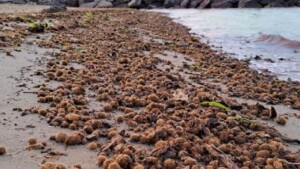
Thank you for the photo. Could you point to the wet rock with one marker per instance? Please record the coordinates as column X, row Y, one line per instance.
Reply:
column 149, row 2
column 257, row 57
column 269, row 60
column 19, row 2
column 222, row 3
column 205, row 4
column 249, row 4
column 45, row 2
column 185, row 3
column 171, row 3
column 59, row 3
column 264, row 2
column 276, row 3
column 135, row 4
column 104, row 4
column 54, row 9
column 90, row 4
column 73, row 3
column 273, row 113
column 6, row 1
column 195, row 3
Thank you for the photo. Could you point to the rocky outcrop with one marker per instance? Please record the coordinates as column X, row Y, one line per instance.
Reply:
column 104, row 4
column 223, row 4
column 172, row 3
column 195, row 3
column 249, row 4
column 135, row 4
column 163, row 3
column 185, row 3
column 19, row 1
column 89, row 4
column 205, row 4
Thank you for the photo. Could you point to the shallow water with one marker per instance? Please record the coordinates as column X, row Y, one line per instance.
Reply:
column 272, row 34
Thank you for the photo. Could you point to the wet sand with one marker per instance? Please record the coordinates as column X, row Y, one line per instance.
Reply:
column 17, row 125
column 136, row 80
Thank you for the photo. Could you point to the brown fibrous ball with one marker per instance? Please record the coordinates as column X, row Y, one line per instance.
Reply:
column 169, row 164
column 101, row 159
column 134, row 137
column 120, row 119
column 61, row 137
column 2, row 150
column 114, row 165
column 32, row 141
column 92, row 146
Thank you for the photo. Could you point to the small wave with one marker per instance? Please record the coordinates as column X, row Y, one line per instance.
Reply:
column 279, row 40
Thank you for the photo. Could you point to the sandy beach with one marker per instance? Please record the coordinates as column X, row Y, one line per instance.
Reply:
column 123, row 88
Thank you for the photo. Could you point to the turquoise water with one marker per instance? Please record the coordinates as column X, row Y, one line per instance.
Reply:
column 273, row 34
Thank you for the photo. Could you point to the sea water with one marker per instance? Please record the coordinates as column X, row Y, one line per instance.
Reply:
column 272, row 35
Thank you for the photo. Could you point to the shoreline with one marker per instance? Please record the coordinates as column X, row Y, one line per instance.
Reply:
column 265, row 50
column 128, row 78
column 167, row 4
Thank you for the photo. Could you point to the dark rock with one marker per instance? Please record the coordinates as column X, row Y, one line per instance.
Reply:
column 81, row 2
column 185, row 4
column 152, row 6
column 273, row 113
column 257, row 57
column 264, row 2
column 276, row 3
column 135, row 4
column 44, row 2
column 249, row 4
column 90, row 4
column 32, row 1
column 19, row 2
column 149, row 2
column 269, row 60
column 195, row 3
column 291, row 3
column 104, row 4
column 54, row 9
column 6, row 1
column 205, row 4
column 59, row 3
column 171, row 3
column 222, row 4
column 73, row 3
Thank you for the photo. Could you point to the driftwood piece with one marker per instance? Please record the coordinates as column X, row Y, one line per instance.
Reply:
column 216, row 152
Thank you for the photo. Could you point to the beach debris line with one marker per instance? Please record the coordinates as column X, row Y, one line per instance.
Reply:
column 146, row 116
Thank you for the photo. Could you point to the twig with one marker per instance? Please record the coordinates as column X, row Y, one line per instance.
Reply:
column 290, row 163
column 113, row 142
column 224, row 157
column 30, row 92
